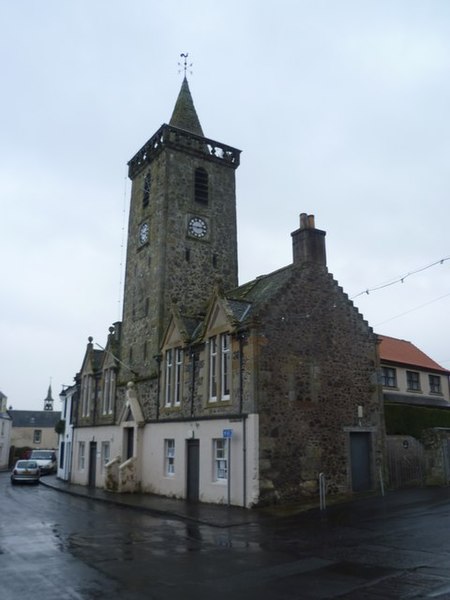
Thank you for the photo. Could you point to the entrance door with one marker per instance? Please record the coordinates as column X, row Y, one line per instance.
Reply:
column 193, row 470
column 360, row 444
column 68, row 467
column 92, row 463
column 129, row 440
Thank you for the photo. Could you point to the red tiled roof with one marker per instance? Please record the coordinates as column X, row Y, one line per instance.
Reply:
column 401, row 351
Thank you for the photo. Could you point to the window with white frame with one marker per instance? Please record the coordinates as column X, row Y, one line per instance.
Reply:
column 225, row 365
column 220, row 454
column 413, row 381
column 109, row 390
column 435, row 384
column 173, row 376
column 219, row 367
column 213, row 369
column 81, row 456
column 169, row 457
column 37, row 436
column 106, row 454
column 87, row 387
column 388, row 377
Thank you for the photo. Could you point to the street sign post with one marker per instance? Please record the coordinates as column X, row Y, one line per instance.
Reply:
column 227, row 435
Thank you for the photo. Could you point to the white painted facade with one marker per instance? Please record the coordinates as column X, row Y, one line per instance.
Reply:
column 109, row 436
column 65, row 441
column 5, row 433
column 5, row 440
column 240, row 488
column 424, row 387
column 153, row 473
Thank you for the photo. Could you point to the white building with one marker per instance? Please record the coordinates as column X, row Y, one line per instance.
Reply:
column 5, row 433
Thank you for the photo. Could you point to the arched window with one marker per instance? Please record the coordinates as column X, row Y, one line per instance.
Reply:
column 201, row 185
column 147, row 186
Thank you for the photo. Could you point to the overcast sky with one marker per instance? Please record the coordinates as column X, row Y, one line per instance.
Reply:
column 341, row 109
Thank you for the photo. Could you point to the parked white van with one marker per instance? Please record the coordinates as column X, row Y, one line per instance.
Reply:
column 46, row 459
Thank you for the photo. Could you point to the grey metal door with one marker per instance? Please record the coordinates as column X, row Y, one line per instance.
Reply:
column 92, row 463
column 193, row 470
column 129, row 432
column 360, row 443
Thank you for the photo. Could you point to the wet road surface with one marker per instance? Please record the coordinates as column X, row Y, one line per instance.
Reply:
column 57, row 546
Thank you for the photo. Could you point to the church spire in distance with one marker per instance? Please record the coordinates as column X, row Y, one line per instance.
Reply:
column 184, row 115
column 48, row 402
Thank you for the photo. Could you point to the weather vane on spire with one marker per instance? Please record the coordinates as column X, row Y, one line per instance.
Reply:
column 185, row 66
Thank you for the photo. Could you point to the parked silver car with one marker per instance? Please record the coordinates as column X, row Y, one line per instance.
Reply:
column 25, row 471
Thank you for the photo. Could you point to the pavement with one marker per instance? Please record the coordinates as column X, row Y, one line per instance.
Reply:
column 222, row 515
column 215, row 515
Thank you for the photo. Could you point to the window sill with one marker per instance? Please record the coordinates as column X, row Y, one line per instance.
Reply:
column 215, row 403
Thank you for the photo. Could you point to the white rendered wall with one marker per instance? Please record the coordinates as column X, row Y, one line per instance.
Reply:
column 111, row 434
column 155, row 480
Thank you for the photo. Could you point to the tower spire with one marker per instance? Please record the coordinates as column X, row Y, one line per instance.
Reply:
column 48, row 402
column 184, row 115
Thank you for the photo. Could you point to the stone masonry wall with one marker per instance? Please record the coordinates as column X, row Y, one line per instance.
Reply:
column 174, row 265
column 317, row 363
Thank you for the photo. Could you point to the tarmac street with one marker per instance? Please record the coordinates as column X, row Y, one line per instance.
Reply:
column 58, row 542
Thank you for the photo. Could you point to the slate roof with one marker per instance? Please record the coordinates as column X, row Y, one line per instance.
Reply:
column 96, row 358
column 401, row 351
column 250, row 297
column 184, row 115
column 34, row 418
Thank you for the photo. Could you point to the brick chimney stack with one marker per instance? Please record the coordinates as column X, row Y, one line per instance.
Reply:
column 308, row 243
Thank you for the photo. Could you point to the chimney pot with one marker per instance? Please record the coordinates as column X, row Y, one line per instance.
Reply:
column 303, row 221
column 308, row 243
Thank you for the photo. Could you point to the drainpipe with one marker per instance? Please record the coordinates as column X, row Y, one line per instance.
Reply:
column 241, row 337
column 192, row 381
column 158, row 387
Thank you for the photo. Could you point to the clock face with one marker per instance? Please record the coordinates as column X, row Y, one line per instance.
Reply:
column 143, row 233
column 197, row 227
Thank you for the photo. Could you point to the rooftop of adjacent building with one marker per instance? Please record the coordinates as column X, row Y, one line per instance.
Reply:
column 395, row 350
column 34, row 418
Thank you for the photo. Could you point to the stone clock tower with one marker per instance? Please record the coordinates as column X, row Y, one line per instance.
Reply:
column 181, row 232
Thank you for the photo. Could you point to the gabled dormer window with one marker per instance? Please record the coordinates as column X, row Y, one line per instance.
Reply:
column 201, row 186
column 225, row 365
column 87, row 391
column 173, row 376
column 109, row 390
column 219, row 376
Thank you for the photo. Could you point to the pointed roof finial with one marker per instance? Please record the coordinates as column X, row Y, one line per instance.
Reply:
column 185, row 64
